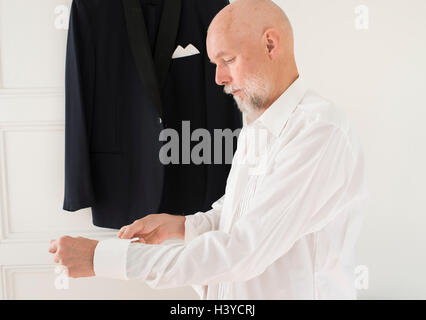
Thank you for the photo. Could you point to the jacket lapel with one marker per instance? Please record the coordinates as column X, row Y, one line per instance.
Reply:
column 142, row 54
column 166, row 38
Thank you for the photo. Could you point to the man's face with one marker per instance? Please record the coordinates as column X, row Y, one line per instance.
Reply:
column 240, row 68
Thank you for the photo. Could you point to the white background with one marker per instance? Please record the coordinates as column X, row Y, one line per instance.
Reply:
column 377, row 75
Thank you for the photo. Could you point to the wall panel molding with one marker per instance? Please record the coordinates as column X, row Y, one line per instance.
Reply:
column 30, row 92
column 11, row 235
column 8, row 275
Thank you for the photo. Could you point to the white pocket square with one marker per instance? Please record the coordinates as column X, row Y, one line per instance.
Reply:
column 180, row 52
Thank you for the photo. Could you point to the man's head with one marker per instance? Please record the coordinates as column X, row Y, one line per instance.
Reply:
column 251, row 43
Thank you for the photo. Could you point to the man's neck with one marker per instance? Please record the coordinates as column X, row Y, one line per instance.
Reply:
column 253, row 116
column 286, row 83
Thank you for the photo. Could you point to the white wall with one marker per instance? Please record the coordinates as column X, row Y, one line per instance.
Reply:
column 379, row 77
column 32, row 113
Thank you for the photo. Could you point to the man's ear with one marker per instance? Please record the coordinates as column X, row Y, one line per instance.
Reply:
column 272, row 42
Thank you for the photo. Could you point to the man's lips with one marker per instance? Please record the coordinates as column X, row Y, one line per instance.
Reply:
column 230, row 90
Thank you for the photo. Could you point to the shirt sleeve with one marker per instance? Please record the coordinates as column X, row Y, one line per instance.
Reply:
column 313, row 178
column 196, row 224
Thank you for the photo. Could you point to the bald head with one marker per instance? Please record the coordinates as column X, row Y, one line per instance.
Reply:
column 252, row 44
column 249, row 19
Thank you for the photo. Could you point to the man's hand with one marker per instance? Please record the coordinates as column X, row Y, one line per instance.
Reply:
column 155, row 228
column 76, row 254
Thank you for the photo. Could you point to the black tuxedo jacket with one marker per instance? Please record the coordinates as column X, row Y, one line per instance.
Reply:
column 122, row 89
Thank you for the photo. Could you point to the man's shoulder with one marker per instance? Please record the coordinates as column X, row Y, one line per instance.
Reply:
column 314, row 107
column 314, row 112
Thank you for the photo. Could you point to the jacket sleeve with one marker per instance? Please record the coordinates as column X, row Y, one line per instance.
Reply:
column 79, row 84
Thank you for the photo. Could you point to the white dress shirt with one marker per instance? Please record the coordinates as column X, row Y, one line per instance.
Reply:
column 287, row 224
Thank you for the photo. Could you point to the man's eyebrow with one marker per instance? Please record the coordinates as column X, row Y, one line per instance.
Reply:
column 221, row 53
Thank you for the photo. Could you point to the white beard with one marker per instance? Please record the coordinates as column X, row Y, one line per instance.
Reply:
column 256, row 90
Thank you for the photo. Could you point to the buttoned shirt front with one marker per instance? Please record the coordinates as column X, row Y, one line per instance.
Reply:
column 287, row 225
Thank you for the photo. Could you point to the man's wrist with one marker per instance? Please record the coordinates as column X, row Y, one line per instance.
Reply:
column 181, row 227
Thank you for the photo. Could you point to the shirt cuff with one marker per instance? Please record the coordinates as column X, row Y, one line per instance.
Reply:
column 191, row 231
column 110, row 259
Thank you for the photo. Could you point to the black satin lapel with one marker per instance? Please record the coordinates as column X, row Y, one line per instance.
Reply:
column 141, row 49
column 166, row 38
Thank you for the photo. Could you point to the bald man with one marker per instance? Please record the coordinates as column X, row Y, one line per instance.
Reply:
column 251, row 42
column 288, row 222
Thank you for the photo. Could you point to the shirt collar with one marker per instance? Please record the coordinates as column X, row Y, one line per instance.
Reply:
column 275, row 117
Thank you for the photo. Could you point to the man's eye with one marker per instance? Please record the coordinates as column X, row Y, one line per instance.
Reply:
column 229, row 60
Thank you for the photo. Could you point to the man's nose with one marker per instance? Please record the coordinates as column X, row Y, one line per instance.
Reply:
column 222, row 76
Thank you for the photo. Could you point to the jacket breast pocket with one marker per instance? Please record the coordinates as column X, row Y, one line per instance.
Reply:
column 105, row 133
column 187, row 81
column 185, row 67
